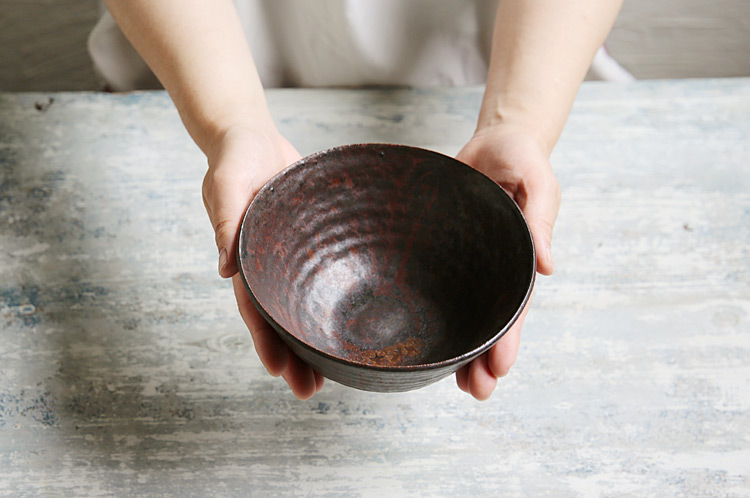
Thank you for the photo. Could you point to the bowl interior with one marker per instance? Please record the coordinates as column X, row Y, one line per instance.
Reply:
column 387, row 256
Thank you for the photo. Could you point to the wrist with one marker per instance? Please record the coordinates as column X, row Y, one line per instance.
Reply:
column 262, row 133
column 515, row 122
column 209, row 130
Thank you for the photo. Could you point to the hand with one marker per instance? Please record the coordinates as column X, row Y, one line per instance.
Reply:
column 517, row 162
column 240, row 162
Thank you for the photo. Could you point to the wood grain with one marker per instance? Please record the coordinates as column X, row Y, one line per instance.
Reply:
column 43, row 45
column 125, row 369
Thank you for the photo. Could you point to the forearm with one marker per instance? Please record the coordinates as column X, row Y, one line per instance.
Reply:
column 540, row 54
column 198, row 51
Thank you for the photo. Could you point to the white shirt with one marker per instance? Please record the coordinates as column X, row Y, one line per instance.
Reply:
column 322, row 43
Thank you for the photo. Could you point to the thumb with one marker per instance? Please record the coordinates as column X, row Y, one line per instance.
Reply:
column 226, row 205
column 540, row 211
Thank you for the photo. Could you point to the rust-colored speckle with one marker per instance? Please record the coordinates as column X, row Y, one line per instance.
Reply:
column 402, row 353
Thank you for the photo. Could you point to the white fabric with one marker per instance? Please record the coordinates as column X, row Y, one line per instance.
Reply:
column 320, row 43
column 115, row 61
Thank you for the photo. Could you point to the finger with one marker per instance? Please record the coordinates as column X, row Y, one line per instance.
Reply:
column 481, row 379
column 503, row 355
column 272, row 351
column 300, row 377
column 319, row 381
column 540, row 210
column 462, row 378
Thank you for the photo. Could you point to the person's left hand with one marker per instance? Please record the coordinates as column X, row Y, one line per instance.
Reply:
column 513, row 158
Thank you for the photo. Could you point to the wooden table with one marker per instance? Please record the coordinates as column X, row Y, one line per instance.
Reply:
column 126, row 370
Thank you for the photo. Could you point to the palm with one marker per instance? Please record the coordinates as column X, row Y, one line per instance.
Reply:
column 518, row 164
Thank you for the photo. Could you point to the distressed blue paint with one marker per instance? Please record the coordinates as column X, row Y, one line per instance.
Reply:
column 17, row 300
column 33, row 405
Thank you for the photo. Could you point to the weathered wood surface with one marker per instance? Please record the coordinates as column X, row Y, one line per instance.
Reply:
column 125, row 369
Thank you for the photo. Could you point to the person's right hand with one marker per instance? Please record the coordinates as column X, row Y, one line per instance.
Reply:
column 240, row 161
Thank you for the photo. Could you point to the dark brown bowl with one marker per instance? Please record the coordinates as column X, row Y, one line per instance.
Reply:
column 386, row 267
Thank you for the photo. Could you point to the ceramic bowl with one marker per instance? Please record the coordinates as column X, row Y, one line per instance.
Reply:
column 386, row 267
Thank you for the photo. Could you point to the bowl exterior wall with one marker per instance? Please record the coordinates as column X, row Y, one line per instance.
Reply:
column 367, row 378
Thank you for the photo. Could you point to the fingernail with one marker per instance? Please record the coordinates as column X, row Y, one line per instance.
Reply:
column 222, row 260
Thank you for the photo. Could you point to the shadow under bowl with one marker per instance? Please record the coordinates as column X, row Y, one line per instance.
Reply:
column 386, row 267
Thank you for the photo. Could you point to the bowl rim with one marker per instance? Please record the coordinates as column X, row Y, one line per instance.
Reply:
column 454, row 360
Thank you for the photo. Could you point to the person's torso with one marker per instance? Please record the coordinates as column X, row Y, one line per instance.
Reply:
column 369, row 42
column 341, row 43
